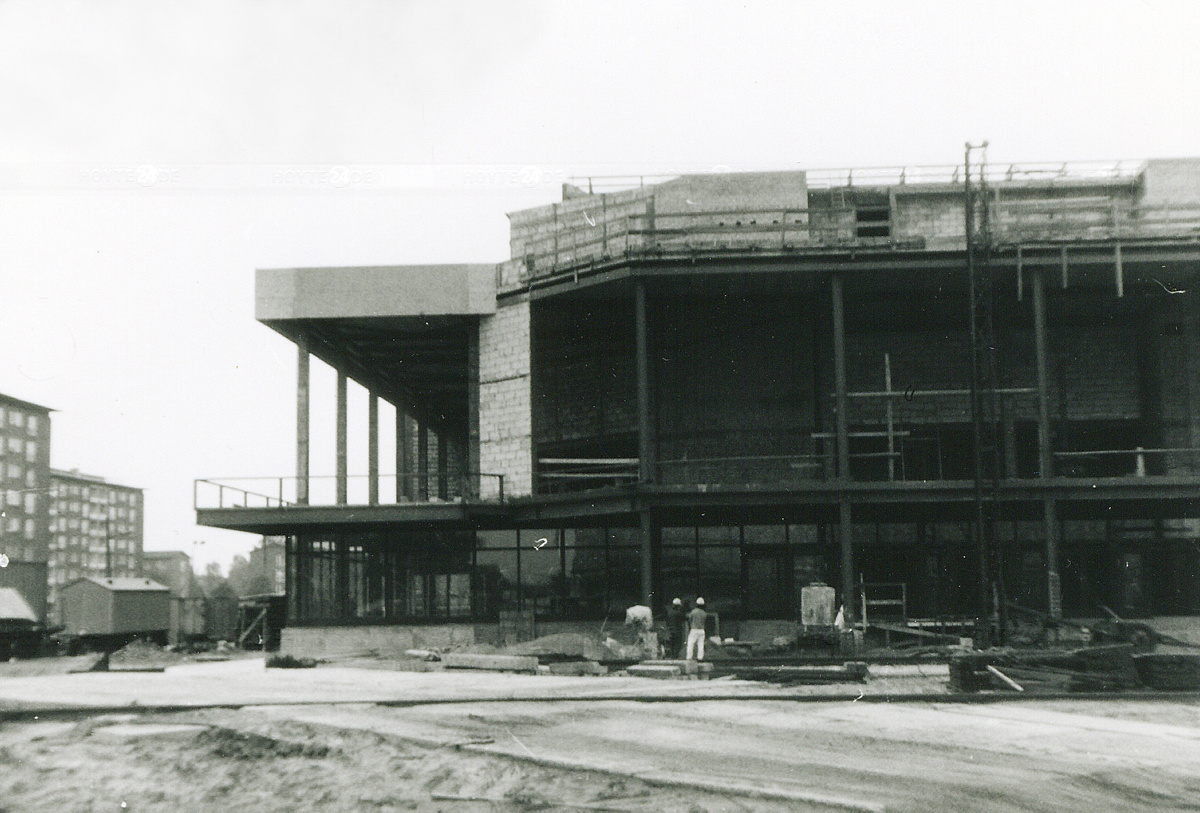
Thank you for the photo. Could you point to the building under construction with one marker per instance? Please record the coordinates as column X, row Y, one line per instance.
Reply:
column 942, row 391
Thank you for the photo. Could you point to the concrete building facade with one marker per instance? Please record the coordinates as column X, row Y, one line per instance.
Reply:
column 25, row 509
column 952, row 389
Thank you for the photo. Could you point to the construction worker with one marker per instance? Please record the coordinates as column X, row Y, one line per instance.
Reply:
column 697, row 621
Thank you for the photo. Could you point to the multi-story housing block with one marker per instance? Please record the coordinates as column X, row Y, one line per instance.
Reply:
column 95, row 530
column 962, row 388
column 25, row 508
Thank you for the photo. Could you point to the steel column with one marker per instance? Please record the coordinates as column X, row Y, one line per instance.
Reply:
column 1045, row 454
column 422, row 460
column 645, row 440
column 404, row 482
column 842, row 427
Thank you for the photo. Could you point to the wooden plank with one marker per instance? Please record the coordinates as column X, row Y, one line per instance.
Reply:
column 498, row 663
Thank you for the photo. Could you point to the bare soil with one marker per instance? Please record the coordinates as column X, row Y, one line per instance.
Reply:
column 228, row 760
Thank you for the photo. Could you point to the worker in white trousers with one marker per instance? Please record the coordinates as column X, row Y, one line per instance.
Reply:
column 697, row 620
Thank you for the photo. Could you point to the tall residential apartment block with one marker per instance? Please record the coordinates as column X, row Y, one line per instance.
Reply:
column 945, row 388
column 95, row 530
column 25, row 508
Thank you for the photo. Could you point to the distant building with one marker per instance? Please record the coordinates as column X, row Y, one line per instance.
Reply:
column 267, row 561
column 173, row 568
column 25, row 504
column 95, row 530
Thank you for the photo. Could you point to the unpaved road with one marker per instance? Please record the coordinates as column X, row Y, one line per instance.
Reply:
column 1080, row 755
column 615, row 755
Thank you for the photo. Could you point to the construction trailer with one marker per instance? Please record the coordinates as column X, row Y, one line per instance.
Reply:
column 938, row 390
column 21, row 633
column 104, row 613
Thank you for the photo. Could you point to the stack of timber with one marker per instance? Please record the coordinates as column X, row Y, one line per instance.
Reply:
column 1092, row 669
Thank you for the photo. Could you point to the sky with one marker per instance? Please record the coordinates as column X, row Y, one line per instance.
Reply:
column 154, row 154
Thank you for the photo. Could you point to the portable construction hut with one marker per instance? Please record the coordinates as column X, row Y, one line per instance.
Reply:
column 20, row 632
column 116, row 610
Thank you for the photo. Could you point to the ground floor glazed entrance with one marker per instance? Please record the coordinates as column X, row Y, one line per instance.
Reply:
column 401, row 573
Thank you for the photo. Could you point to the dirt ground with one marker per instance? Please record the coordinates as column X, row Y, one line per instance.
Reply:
column 233, row 761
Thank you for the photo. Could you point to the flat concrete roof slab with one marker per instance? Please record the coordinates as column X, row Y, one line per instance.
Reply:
column 374, row 291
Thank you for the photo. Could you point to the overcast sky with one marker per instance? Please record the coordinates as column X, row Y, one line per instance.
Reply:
column 152, row 155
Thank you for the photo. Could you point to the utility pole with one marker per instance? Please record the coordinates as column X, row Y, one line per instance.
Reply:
column 983, row 528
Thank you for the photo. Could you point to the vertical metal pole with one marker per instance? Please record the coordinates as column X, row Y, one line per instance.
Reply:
column 342, row 490
column 373, row 449
column 985, row 592
column 842, row 425
column 302, row 419
column 1045, row 455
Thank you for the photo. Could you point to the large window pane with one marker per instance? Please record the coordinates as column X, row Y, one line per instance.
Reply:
column 721, row 578
column 541, row 573
column 495, row 582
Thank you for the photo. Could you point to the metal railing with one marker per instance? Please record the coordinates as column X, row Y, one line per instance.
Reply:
column 391, row 489
column 562, row 474
column 579, row 237
column 1034, row 172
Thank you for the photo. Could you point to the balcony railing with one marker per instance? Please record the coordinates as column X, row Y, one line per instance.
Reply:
column 391, row 489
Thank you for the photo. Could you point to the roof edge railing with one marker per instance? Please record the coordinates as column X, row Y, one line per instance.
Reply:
column 356, row 490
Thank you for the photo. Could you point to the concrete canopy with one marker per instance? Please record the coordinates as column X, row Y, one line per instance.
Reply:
column 401, row 331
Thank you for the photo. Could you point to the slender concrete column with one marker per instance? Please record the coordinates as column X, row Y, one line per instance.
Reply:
column 1045, row 452
column 404, row 465
column 302, row 401
column 342, row 434
column 422, row 460
column 373, row 449
column 849, row 591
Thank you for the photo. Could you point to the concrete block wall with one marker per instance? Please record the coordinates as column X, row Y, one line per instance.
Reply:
column 937, row 216
column 505, row 400
column 392, row 641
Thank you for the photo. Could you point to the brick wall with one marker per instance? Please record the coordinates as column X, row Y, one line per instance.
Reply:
column 505, row 400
